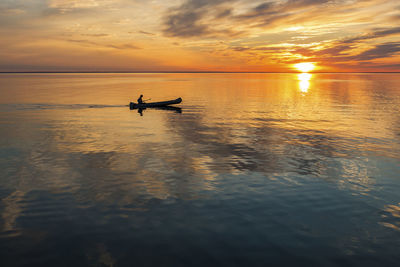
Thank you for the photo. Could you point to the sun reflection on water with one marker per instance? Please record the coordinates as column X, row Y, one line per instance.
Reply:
column 304, row 81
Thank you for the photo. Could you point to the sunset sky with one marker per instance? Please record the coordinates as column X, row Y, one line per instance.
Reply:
column 199, row 35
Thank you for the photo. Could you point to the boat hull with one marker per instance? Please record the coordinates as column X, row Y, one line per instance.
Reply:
column 155, row 104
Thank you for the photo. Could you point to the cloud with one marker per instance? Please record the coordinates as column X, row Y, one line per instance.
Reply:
column 11, row 11
column 351, row 48
column 124, row 46
column 63, row 7
column 373, row 35
column 95, row 34
column 146, row 33
column 380, row 51
column 224, row 13
column 187, row 20
column 73, row 4
column 185, row 24
column 270, row 14
column 200, row 18
column 115, row 46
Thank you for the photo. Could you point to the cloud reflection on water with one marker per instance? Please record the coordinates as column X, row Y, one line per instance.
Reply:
column 299, row 136
column 252, row 143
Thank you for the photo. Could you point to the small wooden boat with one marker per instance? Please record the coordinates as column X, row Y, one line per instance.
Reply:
column 155, row 104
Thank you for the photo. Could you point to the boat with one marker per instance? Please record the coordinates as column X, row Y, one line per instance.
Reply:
column 133, row 105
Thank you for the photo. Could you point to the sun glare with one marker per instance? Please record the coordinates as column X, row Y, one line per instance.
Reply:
column 304, row 81
column 304, row 67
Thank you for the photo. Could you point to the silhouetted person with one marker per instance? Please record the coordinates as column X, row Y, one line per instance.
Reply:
column 140, row 100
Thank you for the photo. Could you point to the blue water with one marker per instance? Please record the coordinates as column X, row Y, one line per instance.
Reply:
column 253, row 170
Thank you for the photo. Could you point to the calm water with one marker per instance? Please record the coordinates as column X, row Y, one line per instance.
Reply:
column 254, row 170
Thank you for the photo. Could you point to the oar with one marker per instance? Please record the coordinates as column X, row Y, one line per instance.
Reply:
column 147, row 99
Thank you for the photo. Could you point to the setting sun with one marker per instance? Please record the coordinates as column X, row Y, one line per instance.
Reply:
column 304, row 67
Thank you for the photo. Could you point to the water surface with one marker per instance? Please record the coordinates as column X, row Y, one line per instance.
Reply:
column 254, row 170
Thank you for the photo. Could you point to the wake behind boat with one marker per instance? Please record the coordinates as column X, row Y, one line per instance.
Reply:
column 133, row 105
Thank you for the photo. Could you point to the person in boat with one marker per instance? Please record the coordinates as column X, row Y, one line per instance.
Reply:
column 140, row 100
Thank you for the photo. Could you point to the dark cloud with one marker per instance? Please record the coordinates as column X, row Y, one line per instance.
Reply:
column 272, row 49
column 341, row 53
column 124, row 46
column 267, row 6
column 240, row 48
column 185, row 24
column 262, row 10
column 380, row 51
column 146, row 33
column 267, row 13
column 341, row 49
column 199, row 18
column 96, row 34
column 276, row 9
column 185, row 20
column 224, row 13
column 337, row 50
column 377, row 34
column 305, row 3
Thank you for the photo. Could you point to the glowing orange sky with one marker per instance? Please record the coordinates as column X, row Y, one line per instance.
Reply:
column 199, row 35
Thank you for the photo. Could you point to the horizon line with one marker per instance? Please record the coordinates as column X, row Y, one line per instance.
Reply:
column 200, row 72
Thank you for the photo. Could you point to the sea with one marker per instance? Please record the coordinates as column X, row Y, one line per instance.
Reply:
column 251, row 169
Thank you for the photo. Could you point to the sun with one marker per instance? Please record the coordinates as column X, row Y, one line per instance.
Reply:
column 305, row 67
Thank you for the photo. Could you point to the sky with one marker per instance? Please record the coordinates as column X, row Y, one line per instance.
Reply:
column 199, row 35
